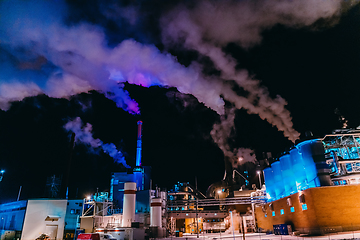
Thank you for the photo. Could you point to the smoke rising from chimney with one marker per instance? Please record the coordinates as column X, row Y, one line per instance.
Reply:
column 210, row 25
column 83, row 133
column 76, row 58
column 222, row 132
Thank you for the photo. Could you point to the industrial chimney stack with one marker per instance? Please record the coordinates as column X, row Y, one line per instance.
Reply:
column 138, row 149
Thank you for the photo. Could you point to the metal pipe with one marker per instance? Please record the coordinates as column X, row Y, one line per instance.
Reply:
column 197, row 201
column 232, row 224
column 19, row 194
column 259, row 173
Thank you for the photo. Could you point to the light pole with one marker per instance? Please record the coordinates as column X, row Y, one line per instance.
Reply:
column 1, row 174
column 259, row 174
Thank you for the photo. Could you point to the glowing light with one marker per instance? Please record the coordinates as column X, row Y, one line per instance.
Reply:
column 2, row 171
column 219, row 191
column 88, row 197
column 304, row 207
column 258, row 172
column 240, row 159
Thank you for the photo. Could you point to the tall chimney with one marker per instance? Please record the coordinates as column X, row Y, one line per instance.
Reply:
column 138, row 149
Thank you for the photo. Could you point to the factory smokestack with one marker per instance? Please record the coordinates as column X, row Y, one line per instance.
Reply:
column 138, row 149
column 129, row 204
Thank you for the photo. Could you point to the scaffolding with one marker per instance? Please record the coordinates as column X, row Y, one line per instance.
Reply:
column 342, row 151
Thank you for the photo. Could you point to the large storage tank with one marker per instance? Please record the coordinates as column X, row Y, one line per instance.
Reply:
column 269, row 182
column 307, row 150
column 278, row 181
column 298, row 169
column 287, row 175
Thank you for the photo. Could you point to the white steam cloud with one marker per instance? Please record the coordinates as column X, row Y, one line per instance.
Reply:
column 221, row 133
column 211, row 25
column 83, row 134
column 39, row 54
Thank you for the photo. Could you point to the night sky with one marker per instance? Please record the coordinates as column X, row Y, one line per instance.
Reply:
column 207, row 78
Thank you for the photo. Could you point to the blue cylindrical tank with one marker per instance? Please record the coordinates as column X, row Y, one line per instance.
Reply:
column 278, row 181
column 269, row 183
column 298, row 170
column 308, row 149
column 287, row 175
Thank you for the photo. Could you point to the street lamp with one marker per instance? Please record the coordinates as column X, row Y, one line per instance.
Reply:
column 1, row 174
column 259, row 174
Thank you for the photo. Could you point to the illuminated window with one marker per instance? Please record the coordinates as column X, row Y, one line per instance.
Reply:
column 292, row 209
column 281, row 211
column 304, row 207
column 265, row 215
column 273, row 213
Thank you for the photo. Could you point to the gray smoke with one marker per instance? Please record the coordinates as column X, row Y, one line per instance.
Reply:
column 210, row 25
column 39, row 54
column 225, row 130
column 83, row 135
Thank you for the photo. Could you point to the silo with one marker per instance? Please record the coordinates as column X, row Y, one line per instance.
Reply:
column 269, row 183
column 278, row 181
column 129, row 204
column 307, row 151
column 287, row 175
column 155, row 212
column 298, row 169
column 322, row 168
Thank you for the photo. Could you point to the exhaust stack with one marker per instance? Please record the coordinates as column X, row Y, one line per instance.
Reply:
column 138, row 149
column 129, row 204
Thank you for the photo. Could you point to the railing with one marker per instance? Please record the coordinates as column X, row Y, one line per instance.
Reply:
column 216, row 202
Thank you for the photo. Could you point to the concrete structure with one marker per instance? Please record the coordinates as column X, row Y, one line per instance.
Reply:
column 29, row 219
column 314, row 187
column 314, row 210
column 129, row 204
column 155, row 212
column 142, row 177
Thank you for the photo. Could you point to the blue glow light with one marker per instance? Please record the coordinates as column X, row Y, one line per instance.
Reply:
column 304, row 207
column 281, row 211
column 273, row 213
column 292, row 209
column 295, row 171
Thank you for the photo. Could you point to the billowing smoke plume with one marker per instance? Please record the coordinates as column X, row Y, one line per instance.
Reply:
column 210, row 25
column 222, row 132
column 83, row 134
column 39, row 54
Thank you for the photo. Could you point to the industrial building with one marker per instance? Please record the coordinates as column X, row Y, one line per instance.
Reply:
column 28, row 219
column 314, row 187
column 130, row 208
column 133, row 210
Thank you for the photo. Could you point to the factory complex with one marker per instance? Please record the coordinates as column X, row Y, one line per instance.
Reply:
column 313, row 188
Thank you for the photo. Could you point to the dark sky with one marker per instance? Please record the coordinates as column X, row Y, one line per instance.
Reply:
column 55, row 67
